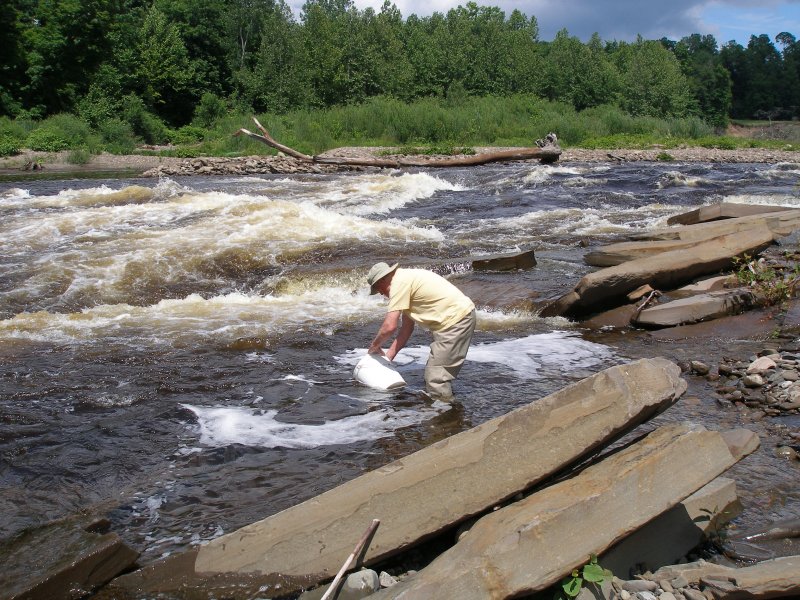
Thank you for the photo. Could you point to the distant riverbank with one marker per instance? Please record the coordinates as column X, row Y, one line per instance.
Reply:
column 151, row 165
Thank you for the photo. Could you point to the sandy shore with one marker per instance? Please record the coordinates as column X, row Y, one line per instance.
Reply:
column 30, row 162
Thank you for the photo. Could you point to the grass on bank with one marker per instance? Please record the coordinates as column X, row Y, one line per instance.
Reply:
column 427, row 125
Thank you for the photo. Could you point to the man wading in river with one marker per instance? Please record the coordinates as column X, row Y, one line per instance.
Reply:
column 420, row 296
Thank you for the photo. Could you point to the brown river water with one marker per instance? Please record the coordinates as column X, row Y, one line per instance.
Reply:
column 177, row 355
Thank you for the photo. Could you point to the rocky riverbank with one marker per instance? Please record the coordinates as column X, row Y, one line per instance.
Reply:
column 154, row 166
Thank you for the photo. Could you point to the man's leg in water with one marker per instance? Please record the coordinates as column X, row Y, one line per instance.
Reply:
column 448, row 351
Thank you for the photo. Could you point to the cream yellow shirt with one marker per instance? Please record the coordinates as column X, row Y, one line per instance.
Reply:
column 428, row 299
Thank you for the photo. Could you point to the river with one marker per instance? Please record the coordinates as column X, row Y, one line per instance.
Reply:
column 177, row 354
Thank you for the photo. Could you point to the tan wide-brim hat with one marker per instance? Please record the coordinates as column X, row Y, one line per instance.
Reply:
column 378, row 272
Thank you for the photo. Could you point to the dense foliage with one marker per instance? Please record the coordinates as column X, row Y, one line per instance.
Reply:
column 141, row 69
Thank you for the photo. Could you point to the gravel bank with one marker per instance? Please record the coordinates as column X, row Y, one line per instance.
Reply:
column 154, row 166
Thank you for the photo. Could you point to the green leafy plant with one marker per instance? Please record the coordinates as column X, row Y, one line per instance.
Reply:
column 46, row 140
column 665, row 157
column 591, row 573
column 188, row 134
column 79, row 156
column 8, row 146
column 770, row 284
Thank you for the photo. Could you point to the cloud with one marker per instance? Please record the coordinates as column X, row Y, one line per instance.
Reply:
column 612, row 19
column 616, row 19
column 623, row 20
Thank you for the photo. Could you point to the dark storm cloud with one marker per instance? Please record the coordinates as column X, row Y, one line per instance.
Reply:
column 617, row 19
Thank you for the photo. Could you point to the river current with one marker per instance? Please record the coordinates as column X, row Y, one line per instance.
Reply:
column 177, row 354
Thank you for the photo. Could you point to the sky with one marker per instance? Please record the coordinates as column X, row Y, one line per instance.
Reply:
column 623, row 20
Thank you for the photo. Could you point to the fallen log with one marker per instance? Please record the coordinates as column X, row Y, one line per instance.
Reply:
column 547, row 150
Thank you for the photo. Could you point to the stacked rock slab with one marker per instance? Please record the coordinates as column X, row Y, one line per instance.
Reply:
column 428, row 491
column 62, row 560
column 702, row 307
column 529, row 545
column 780, row 223
column 665, row 271
column 722, row 210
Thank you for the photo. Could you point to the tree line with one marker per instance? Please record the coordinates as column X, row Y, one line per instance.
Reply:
column 179, row 61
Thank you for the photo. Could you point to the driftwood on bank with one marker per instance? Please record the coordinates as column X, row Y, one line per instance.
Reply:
column 546, row 150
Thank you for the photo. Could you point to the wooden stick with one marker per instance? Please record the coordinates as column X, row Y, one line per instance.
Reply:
column 360, row 547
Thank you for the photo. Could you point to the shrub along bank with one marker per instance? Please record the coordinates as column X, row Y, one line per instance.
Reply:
column 434, row 123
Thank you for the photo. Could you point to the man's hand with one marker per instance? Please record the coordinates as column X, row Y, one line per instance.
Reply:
column 376, row 350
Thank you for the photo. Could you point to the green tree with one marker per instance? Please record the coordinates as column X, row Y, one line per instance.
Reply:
column 205, row 31
column 164, row 72
column 579, row 74
column 523, row 64
column 709, row 81
column 13, row 60
column 427, row 41
column 651, row 81
column 764, row 69
column 66, row 41
column 732, row 57
column 757, row 75
column 336, row 53
column 277, row 80
column 791, row 72
column 393, row 71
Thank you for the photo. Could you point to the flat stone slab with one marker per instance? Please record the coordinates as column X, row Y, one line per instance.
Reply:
column 780, row 223
column 527, row 546
column 432, row 489
column 702, row 307
column 663, row 271
column 505, row 262
column 61, row 560
column 616, row 254
column 712, row 284
column 667, row 538
column 722, row 210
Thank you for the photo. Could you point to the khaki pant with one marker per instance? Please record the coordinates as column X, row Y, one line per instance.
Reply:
column 448, row 350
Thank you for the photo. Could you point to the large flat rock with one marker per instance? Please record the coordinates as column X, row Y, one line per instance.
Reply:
column 616, row 254
column 722, row 210
column 432, row 489
column 670, row 536
column 505, row 262
column 531, row 544
column 702, row 307
column 61, row 560
column 780, row 223
column 712, row 284
column 664, row 271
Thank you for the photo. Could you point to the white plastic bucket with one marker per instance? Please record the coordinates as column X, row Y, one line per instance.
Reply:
column 378, row 372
